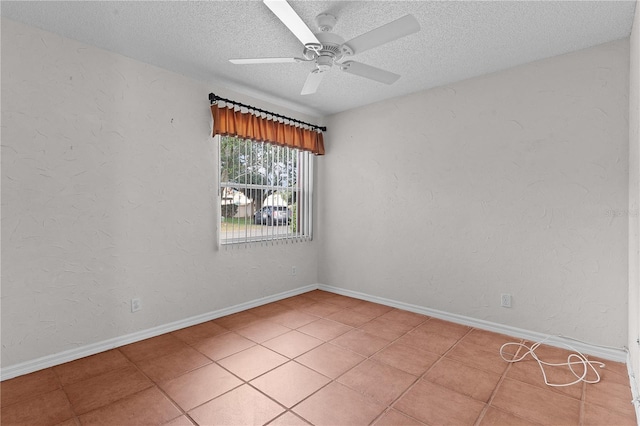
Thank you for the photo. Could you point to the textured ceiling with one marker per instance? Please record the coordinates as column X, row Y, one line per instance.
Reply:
column 458, row 40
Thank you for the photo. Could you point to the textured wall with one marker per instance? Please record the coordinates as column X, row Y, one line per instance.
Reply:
column 108, row 193
column 514, row 182
column 634, row 195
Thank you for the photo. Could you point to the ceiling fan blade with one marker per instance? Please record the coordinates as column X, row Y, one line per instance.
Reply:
column 296, row 25
column 367, row 71
column 252, row 61
column 404, row 26
column 313, row 81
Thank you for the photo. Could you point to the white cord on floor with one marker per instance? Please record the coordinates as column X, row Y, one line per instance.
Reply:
column 573, row 359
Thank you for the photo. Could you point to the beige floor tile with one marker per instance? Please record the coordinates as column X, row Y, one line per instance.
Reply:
column 28, row 386
column 330, row 360
column 444, row 328
column 270, row 310
column 241, row 406
column 325, row 329
column 199, row 386
column 436, row 405
column 290, row 383
column 44, row 409
column 252, row 362
column 396, row 418
column 361, row 342
column 289, row 419
column 292, row 343
column 536, row 404
column 321, row 309
column 478, row 356
column 489, row 340
column 342, row 301
column 90, row 366
column 478, row 384
column 196, row 333
column 153, row 347
column 294, row 319
column 335, row 404
column 407, row 358
column 297, row 302
column 495, row 417
column 98, row 391
column 595, row 415
column 386, row 328
column 179, row 421
column 611, row 395
column 173, row 365
column 149, row 406
column 405, row 317
column 428, row 341
column 237, row 320
column 350, row 317
column 370, row 308
column 262, row 331
column 378, row 381
column 224, row 345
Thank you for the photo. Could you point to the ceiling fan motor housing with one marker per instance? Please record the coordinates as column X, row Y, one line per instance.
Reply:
column 324, row 62
column 332, row 49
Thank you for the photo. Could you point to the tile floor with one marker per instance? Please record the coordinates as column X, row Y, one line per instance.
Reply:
column 318, row 358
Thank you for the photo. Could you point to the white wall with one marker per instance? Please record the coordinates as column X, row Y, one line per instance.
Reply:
column 515, row 182
column 108, row 193
column 518, row 178
column 634, row 195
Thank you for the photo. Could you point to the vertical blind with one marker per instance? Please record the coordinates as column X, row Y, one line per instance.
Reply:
column 265, row 192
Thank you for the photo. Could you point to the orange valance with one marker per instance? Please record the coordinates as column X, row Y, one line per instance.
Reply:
column 231, row 122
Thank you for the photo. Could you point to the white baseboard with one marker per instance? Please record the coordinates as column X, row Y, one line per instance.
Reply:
column 27, row 367
column 611, row 354
column 94, row 348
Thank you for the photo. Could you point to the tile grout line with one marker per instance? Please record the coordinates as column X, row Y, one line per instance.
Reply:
column 157, row 386
column 75, row 415
column 495, row 390
column 331, row 380
column 365, row 358
column 247, row 382
column 581, row 417
column 420, row 376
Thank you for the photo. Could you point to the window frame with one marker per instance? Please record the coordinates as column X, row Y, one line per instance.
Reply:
column 302, row 214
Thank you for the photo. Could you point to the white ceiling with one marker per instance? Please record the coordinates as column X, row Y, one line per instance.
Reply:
column 458, row 40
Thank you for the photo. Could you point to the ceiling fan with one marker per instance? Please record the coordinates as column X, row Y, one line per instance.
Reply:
column 326, row 49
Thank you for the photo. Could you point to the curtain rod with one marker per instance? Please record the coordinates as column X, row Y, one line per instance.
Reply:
column 213, row 98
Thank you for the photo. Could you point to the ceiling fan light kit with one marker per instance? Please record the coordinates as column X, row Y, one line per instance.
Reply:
column 326, row 49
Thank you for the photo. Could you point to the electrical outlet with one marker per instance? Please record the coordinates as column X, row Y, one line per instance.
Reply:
column 136, row 305
column 505, row 300
column 293, row 270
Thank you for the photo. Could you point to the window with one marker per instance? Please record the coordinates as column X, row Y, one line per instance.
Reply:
column 265, row 192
